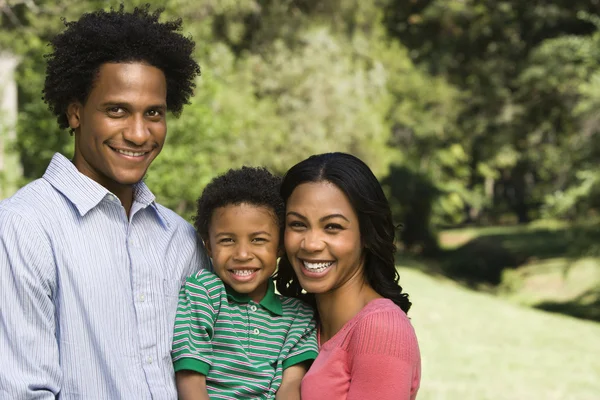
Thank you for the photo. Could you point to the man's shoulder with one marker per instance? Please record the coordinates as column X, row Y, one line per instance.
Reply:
column 35, row 196
column 173, row 218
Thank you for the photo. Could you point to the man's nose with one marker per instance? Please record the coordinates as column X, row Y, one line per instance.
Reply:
column 137, row 130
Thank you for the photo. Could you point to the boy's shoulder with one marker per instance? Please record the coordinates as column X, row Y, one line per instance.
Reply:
column 205, row 276
column 294, row 306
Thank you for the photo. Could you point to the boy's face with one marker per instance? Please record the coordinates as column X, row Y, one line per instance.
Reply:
column 122, row 126
column 243, row 242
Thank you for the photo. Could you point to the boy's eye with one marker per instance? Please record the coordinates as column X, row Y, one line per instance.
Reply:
column 225, row 240
column 259, row 240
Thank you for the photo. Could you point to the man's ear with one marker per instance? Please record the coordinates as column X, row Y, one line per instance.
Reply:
column 74, row 114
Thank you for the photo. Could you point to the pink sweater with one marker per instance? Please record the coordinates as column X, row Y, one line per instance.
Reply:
column 374, row 356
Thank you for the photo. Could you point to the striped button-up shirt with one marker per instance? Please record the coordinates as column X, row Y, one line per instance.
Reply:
column 87, row 295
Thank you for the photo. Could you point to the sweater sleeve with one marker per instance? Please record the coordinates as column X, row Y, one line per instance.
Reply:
column 384, row 358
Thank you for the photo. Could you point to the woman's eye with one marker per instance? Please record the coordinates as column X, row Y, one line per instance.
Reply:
column 333, row 227
column 259, row 240
column 226, row 240
column 295, row 224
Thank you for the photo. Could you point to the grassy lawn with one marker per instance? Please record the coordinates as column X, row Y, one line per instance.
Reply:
column 478, row 346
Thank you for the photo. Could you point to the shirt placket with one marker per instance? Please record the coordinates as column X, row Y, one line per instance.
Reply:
column 145, row 303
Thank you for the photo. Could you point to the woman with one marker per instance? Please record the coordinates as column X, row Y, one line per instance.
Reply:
column 339, row 240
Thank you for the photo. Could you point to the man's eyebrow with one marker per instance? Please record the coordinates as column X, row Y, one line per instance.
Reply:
column 124, row 104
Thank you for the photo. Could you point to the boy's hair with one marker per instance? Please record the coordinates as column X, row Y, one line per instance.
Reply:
column 117, row 36
column 249, row 185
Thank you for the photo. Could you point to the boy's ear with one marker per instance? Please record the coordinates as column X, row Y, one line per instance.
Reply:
column 74, row 114
column 207, row 246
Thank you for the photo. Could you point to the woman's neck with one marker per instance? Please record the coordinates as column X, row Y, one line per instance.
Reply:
column 340, row 305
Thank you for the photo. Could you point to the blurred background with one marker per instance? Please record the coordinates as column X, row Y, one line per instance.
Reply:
column 480, row 118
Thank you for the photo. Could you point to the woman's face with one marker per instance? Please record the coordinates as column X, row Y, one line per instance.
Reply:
column 322, row 237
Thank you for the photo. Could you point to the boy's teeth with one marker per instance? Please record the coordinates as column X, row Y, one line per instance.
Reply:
column 243, row 272
column 317, row 267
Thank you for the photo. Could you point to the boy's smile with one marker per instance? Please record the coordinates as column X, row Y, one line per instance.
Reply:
column 243, row 243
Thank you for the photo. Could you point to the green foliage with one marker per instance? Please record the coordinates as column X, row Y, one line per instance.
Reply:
column 467, row 110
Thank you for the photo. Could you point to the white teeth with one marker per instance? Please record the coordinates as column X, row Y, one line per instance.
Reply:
column 317, row 267
column 243, row 272
column 130, row 153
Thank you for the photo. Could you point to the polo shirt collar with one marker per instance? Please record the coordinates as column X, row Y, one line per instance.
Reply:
column 84, row 192
column 271, row 301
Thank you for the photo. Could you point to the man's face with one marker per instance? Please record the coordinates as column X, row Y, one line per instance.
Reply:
column 122, row 126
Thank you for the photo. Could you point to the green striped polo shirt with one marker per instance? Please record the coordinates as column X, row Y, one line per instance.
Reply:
column 241, row 346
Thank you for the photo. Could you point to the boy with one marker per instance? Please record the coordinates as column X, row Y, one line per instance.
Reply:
column 234, row 337
column 90, row 263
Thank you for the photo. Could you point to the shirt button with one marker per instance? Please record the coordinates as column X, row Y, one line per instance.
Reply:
column 142, row 298
column 149, row 360
column 256, row 331
column 253, row 307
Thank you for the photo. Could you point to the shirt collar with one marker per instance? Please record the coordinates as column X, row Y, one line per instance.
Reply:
column 271, row 301
column 84, row 192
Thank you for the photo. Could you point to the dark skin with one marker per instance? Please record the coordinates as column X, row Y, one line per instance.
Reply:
column 122, row 126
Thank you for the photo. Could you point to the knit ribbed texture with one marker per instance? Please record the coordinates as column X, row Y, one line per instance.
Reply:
column 374, row 356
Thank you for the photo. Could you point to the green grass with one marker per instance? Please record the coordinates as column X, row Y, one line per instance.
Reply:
column 478, row 346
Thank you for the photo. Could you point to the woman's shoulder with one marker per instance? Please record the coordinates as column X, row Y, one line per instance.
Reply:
column 382, row 327
column 382, row 312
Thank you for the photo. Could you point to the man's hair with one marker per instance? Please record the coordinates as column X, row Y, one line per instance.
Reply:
column 247, row 185
column 117, row 36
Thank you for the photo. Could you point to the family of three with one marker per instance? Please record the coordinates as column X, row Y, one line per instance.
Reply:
column 285, row 289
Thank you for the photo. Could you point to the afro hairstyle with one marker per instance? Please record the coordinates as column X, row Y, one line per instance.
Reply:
column 248, row 185
column 116, row 36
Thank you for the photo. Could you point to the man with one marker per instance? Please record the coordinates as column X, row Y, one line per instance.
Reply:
column 90, row 264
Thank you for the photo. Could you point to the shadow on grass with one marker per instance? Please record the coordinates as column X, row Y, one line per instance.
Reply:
column 584, row 306
column 479, row 263
column 482, row 259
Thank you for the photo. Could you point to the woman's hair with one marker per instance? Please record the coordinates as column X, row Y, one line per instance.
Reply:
column 377, row 230
column 117, row 36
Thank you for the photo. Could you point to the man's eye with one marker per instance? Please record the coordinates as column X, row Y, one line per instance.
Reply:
column 154, row 113
column 115, row 110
